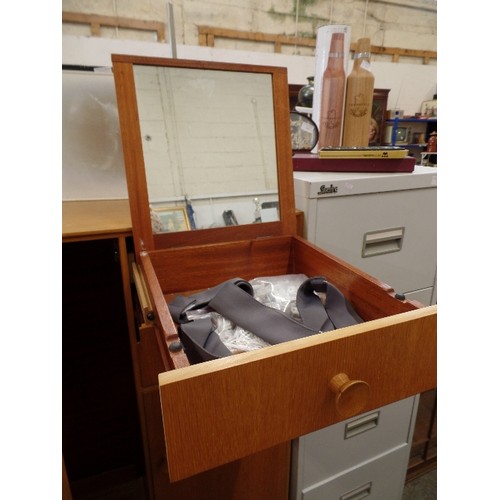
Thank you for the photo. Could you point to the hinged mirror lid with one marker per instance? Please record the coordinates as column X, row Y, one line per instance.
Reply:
column 207, row 150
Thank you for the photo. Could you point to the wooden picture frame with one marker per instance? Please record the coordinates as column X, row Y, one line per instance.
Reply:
column 173, row 219
column 429, row 109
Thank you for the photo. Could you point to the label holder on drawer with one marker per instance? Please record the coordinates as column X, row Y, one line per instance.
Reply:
column 360, row 425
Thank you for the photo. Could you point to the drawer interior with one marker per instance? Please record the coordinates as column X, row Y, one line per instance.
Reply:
column 189, row 269
column 226, row 402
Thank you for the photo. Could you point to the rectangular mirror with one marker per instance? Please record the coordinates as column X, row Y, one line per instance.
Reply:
column 206, row 143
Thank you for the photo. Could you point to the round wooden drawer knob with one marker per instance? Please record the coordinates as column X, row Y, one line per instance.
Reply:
column 351, row 395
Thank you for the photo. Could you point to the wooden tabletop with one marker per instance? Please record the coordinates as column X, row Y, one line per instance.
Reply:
column 95, row 219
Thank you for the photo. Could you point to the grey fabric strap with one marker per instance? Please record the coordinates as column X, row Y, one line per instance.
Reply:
column 181, row 304
column 337, row 311
column 234, row 300
column 269, row 324
column 201, row 341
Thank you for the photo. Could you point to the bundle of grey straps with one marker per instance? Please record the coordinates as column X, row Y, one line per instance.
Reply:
column 234, row 300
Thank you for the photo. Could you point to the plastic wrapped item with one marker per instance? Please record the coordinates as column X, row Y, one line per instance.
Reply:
column 278, row 292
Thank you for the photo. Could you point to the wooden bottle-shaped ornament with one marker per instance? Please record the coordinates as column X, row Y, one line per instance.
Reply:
column 359, row 98
column 332, row 95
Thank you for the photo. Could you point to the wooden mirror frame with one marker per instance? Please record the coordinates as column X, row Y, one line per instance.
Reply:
column 144, row 237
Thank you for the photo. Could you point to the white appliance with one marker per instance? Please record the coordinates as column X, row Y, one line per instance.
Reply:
column 382, row 223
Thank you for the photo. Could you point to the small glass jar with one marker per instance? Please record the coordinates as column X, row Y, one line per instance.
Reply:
column 305, row 97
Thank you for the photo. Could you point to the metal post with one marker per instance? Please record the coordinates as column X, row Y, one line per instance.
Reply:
column 171, row 29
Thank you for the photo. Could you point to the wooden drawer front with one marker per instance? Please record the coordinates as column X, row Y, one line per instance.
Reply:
column 222, row 410
column 260, row 476
column 329, row 451
column 379, row 479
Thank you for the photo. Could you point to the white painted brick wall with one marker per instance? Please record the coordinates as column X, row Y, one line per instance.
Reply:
column 225, row 137
column 410, row 24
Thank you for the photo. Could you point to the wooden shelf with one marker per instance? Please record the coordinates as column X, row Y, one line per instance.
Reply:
column 208, row 34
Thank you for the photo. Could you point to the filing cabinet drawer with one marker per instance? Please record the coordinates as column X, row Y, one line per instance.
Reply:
column 373, row 480
column 391, row 231
column 424, row 296
column 329, row 451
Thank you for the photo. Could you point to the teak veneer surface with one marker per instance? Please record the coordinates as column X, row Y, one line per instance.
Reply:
column 186, row 270
column 236, row 406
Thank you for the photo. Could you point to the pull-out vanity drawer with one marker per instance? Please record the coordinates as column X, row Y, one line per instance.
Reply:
column 233, row 407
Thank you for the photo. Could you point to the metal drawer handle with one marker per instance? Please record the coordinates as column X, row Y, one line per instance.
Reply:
column 382, row 242
column 359, row 493
column 351, row 395
column 362, row 424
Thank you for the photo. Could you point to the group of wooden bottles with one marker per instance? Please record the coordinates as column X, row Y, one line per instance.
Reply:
column 346, row 122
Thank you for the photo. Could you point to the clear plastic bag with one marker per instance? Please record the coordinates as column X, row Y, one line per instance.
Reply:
column 278, row 292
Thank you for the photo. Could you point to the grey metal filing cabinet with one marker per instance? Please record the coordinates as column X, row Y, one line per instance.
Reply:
column 363, row 457
column 383, row 223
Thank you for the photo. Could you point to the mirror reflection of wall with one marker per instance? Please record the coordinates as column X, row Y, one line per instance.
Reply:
column 208, row 137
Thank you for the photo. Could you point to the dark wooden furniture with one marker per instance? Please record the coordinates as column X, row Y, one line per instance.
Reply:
column 379, row 109
column 293, row 94
column 423, row 457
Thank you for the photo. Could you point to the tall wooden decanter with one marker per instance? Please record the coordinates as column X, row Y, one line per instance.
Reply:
column 359, row 98
column 332, row 95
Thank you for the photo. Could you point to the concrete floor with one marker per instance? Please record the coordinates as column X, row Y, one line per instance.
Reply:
column 422, row 488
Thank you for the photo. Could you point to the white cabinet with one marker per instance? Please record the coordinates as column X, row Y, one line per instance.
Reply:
column 383, row 223
column 365, row 456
